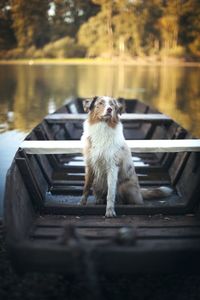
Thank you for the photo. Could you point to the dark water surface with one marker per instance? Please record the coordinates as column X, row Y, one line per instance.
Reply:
column 29, row 92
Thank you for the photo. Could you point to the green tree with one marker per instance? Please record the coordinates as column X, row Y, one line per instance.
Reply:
column 144, row 30
column 30, row 22
column 121, row 27
column 151, row 38
column 189, row 35
column 7, row 36
column 178, row 22
column 69, row 15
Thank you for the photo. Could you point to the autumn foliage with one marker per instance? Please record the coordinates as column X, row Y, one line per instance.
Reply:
column 100, row 28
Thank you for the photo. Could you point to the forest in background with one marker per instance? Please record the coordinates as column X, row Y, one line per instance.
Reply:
column 100, row 28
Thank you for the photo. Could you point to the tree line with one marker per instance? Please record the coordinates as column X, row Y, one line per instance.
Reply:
column 99, row 28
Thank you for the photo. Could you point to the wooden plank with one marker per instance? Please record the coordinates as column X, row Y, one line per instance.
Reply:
column 141, row 221
column 143, row 170
column 110, row 232
column 78, row 210
column 154, row 255
column 136, row 146
column 133, row 117
column 179, row 167
column 30, row 182
column 143, row 182
column 78, row 189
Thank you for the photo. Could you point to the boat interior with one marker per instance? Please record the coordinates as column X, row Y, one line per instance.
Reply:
column 47, row 191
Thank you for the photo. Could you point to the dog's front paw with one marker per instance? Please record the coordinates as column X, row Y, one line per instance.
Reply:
column 110, row 212
column 83, row 200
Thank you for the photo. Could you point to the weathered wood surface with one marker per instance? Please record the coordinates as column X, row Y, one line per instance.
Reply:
column 97, row 233
column 78, row 210
column 146, row 256
column 147, row 221
column 134, row 117
column 166, row 246
column 137, row 146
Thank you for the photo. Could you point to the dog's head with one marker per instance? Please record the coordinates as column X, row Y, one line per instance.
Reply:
column 103, row 108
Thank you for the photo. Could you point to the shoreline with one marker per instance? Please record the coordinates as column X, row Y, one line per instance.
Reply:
column 109, row 62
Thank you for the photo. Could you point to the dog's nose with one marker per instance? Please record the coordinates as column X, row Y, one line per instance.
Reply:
column 109, row 110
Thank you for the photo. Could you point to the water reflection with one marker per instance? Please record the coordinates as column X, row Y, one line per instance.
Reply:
column 29, row 92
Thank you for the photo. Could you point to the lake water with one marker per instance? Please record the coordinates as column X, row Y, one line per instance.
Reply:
column 29, row 92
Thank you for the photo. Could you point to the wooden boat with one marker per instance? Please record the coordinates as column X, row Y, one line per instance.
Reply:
column 48, row 231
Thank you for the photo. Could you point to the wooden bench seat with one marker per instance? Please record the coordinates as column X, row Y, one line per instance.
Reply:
column 136, row 146
column 137, row 117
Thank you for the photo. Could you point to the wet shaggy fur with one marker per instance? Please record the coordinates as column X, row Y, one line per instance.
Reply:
column 109, row 167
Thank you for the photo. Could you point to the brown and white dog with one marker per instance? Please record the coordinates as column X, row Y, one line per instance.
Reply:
column 109, row 165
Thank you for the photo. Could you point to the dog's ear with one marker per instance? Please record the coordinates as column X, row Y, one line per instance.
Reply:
column 88, row 104
column 120, row 106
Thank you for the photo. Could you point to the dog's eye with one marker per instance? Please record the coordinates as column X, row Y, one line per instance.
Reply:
column 101, row 102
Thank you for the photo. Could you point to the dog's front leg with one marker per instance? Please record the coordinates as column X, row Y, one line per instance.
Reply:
column 89, row 176
column 112, row 177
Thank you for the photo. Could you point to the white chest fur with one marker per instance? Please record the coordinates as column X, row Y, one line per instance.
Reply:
column 105, row 141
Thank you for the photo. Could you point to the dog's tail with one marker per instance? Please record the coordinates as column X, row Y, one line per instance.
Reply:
column 155, row 193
